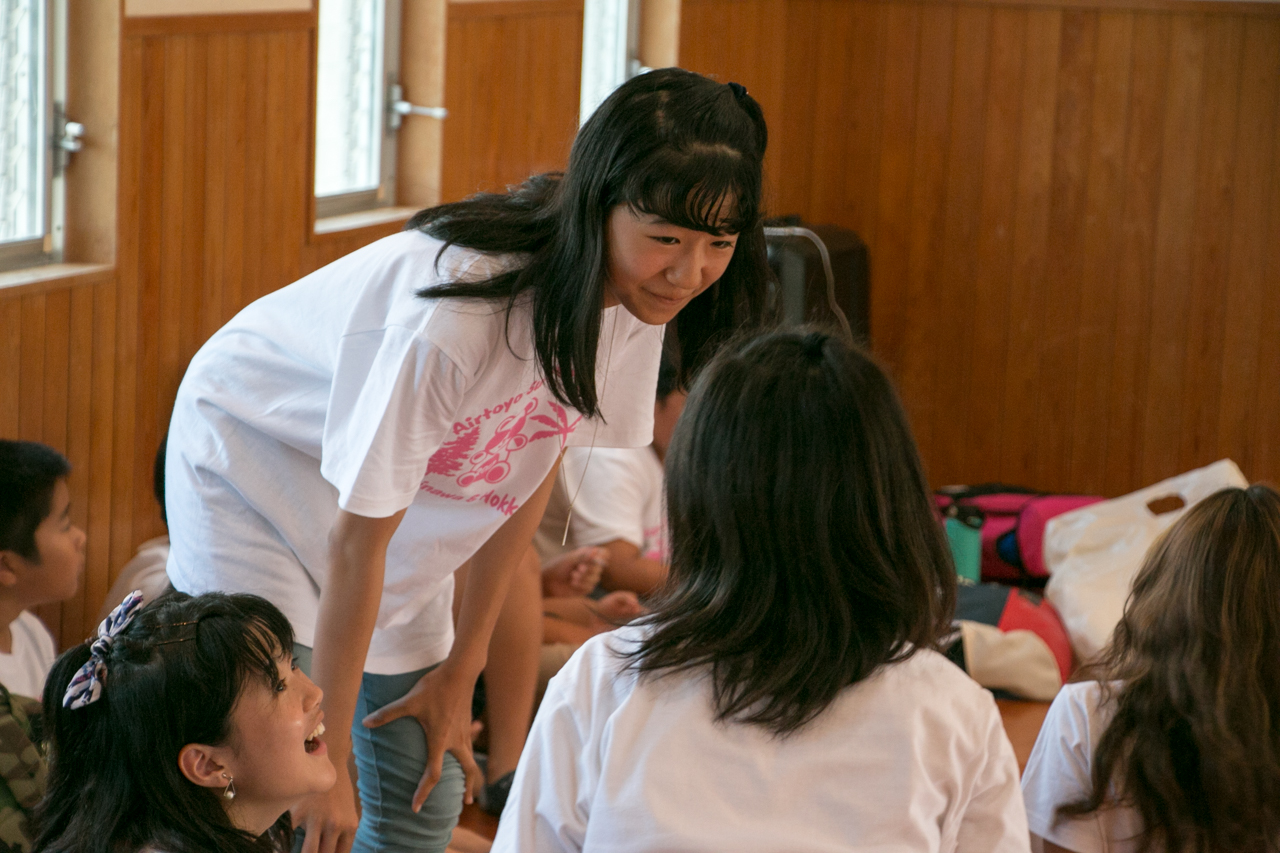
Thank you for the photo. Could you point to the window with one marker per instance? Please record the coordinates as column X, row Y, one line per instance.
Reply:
column 355, row 146
column 24, row 184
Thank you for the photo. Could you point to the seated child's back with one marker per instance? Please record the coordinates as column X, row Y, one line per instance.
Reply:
column 784, row 693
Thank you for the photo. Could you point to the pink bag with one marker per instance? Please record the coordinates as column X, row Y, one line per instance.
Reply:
column 1012, row 522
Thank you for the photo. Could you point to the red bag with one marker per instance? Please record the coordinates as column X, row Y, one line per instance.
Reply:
column 1012, row 520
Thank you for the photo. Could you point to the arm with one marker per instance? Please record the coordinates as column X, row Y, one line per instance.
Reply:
column 441, row 700
column 348, row 610
column 626, row 569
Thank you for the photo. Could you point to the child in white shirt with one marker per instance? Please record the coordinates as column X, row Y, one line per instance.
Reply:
column 41, row 559
column 1171, row 744
column 784, row 694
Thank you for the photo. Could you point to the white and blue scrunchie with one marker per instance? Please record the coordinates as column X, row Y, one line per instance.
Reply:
column 86, row 686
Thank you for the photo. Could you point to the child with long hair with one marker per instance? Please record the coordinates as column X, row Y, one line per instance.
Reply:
column 1169, row 742
column 182, row 727
column 785, row 693
column 346, row 443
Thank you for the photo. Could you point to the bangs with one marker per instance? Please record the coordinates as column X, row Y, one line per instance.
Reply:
column 266, row 638
column 709, row 188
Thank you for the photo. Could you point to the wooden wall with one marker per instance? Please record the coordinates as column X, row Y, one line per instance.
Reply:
column 1073, row 215
column 512, row 81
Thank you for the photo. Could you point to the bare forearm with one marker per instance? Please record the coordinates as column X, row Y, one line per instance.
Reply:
column 488, row 576
column 348, row 611
column 628, row 570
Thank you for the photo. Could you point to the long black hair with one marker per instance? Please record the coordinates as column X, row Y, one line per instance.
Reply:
column 173, row 677
column 804, row 548
column 1192, row 677
column 669, row 143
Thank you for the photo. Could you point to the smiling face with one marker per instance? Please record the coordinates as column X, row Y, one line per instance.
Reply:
column 656, row 268
column 60, row 549
column 271, row 752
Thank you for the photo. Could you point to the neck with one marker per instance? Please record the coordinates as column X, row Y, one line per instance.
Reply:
column 254, row 818
column 9, row 611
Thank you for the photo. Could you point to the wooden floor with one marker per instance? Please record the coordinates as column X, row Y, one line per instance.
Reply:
column 1022, row 721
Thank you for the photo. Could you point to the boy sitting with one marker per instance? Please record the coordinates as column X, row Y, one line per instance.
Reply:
column 41, row 558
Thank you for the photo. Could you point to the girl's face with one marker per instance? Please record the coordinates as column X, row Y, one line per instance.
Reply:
column 655, row 267
column 275, row 754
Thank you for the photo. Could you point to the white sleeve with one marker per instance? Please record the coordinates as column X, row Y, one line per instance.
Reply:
column 994, row 819
column 608, row 496
column 1059, row 772
column 391, row 406
column 550, row 797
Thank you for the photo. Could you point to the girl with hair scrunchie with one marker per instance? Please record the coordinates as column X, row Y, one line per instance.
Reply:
column 183, row 727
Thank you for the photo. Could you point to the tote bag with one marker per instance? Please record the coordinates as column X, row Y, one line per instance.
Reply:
column 1093, row 553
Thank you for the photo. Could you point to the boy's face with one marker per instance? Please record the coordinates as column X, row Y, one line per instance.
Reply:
column 60, row 547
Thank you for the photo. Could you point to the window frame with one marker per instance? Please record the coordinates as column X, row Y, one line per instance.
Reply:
column 384, row 195
column 16, row 255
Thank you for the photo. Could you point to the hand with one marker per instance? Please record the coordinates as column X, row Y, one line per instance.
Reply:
column 441, row 703
column 617, row 607
column 574, row 573
column 329, row 819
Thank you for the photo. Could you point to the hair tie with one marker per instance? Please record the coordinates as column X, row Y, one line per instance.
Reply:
column 86, row 685
column 739, row 90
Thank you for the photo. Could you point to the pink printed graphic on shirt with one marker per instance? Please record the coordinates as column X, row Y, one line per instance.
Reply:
column 491, row 464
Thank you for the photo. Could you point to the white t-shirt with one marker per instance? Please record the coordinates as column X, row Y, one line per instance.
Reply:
column 1058, row 772
column 914, row 758
column 347, row 390
column 25, row 668
column 619, row 495
column 145, row 572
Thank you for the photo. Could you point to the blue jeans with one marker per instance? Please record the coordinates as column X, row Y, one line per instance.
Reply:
column 390, row 760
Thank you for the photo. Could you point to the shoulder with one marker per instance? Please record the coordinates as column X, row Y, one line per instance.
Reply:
column 35, row 634
column 597, row 673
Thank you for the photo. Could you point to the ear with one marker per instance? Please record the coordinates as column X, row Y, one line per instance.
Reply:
column 10, row 563
column 200, row 764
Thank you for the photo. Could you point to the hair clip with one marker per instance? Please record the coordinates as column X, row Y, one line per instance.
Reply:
column 86, row 685
column 192, row 636
column 739, row 90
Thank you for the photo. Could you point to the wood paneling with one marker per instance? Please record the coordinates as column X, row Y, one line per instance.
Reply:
column 1073, row 213
column 512, row 81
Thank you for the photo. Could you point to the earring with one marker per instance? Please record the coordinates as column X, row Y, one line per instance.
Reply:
column 229, row 792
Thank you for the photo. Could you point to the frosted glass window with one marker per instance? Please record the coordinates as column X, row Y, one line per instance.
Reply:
column 349, row 96
column 22, row 119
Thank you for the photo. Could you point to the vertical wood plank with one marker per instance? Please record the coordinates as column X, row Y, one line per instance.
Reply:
column 1211, row 246
column 929, row 169
column 218, row 118
column 11, row 358
column 1135, row 278
column 1018, row 458
column 1058, row 346
column 103, row 420
column 1247, row 288
column 1165, row 401
column 31, row 369
column 235, row 177
column 93, row 587
column 1266, row 425
column 984, row 422
column 57, row 333
column 955, row 298
column 1100, row 248
column 891, row 250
